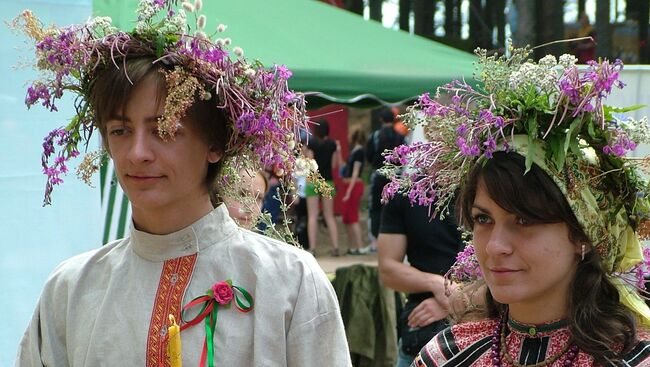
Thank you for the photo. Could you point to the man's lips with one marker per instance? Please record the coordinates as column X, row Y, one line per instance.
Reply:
column 142, row 177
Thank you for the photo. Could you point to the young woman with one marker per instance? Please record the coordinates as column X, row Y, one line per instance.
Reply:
column 553, row 270
column 170, row 110
column 354, row 191
column 327, row 154
column 245, row 205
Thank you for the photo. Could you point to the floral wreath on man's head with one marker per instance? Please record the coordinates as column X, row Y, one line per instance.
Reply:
column 266, row 116
column 552, row 112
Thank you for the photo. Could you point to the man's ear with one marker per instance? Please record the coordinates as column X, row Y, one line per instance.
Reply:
column 214, row 155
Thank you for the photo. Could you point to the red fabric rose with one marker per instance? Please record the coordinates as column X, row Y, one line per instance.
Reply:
column 222, row 292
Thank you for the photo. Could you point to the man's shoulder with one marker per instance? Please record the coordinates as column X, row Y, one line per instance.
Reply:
column 81, row 266
column 274, row 253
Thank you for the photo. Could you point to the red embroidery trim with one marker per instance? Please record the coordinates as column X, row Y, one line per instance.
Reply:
column 174, row 278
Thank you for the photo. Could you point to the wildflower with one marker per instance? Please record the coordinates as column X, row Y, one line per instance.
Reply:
column 200, row 23
column 221, row 28
column 238, row 51
column 188, row 6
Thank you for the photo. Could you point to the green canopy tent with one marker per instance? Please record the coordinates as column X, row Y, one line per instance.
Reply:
column 335, row 57
column 333, row 53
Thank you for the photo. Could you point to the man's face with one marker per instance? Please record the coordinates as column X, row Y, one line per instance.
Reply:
column 157, row 175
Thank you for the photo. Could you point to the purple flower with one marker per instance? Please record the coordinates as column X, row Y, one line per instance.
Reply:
column 283, row 72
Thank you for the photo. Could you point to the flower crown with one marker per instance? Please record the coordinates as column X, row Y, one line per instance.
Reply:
column 551, row 112
column 265, row 115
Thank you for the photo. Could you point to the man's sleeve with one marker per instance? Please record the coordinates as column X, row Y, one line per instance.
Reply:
column 316, row 335
column 392, row 216
column 43, row 343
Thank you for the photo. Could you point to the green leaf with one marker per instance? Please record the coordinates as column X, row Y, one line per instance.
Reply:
column 161, row 40
column 531, row 153
column 590, row 128
column 532, row 126
column 555, row 151
column 573, row 131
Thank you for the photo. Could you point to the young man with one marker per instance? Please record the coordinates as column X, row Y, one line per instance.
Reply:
column 168, row 123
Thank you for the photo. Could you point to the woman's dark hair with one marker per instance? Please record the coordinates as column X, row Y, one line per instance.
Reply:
column 358, row 136
column 322, row 129
column 598, row 322
column 110, row 91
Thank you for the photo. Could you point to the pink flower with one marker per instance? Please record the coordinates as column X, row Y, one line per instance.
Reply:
column 222, row 292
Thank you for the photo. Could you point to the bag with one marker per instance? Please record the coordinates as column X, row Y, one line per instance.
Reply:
column 414, row 339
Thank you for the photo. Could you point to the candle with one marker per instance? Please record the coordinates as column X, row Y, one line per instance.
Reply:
column 174, row 343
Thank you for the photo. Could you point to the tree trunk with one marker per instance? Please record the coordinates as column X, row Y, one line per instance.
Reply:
column 405, row 15
column 500, row 21
column 355, row 6
column 581, row 8
column 452, row 19
column 375, row 9
column 551, row 27
column 423, row 13
column 488, row 25
column 526, row 21
column 475, row 29
column 603, row 30
column 644, row 48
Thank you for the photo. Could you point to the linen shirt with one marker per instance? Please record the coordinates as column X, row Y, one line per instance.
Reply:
column 110, row 306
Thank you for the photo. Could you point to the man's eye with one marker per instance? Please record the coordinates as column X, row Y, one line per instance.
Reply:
column 523, row 221
column 116, row 132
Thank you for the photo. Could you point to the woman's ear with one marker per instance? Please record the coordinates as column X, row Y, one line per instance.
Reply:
column 214, row 155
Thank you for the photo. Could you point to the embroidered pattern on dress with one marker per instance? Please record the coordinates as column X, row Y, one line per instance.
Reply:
column 174, row 278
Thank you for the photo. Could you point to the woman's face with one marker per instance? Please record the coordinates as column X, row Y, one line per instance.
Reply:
column 246, row 208
column 528, row 266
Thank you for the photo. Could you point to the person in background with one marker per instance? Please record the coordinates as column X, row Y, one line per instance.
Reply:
column 430, row 245
column 585, row 50
column 354, row 191
column 379, row 141
column 327, row 154
column 246, row 205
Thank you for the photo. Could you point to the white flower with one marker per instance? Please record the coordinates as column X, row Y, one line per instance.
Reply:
column 200, row 35
column 567, row 61
column 227, row 41
column 279, row 172
column 548, row 62
column 189, row 7
column 200, row 23
column 313, row 166
column 291, row 144
column 221, row 28
column 146, row 10
column 590, row 155
column 249, row 72
column 219, row 41
column 198, row 4
column 238, row 51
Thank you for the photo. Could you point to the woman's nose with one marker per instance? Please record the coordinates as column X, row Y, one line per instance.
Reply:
column 500, row 241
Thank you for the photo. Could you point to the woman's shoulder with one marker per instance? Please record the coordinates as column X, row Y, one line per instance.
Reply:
column 472, row 337
column 640, row 354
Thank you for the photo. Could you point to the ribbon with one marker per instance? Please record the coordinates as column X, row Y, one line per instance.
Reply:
column 208, row 313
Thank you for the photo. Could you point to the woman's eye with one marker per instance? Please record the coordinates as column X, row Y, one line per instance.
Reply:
column 481, row 219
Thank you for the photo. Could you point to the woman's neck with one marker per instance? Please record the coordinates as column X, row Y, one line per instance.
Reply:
column 537, row 315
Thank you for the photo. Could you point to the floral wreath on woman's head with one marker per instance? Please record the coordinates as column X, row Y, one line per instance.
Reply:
column 265, row 116
column 552, row 113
